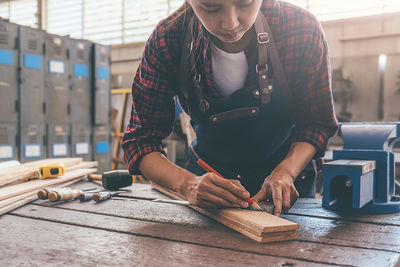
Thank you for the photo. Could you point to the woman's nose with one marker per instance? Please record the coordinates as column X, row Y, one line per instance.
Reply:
column 230, row 20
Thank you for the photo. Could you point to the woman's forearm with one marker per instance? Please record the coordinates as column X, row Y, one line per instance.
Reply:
column 296, row 160
column 156, row 167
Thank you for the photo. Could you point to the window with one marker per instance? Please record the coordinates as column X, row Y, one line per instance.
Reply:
column 20, row 11
column 123, row 21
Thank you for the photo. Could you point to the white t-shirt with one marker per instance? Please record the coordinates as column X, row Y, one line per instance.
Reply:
column 229, row 70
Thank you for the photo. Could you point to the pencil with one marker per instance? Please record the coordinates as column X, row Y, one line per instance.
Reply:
column 208, row 168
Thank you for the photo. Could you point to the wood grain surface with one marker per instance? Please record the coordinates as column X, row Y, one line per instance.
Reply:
column 30, row 170
column 253, row 224
column 139, row 232
column 18, row 189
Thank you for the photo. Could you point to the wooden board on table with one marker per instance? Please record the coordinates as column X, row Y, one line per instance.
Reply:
column 30, row 170
column 20, row 200
column 259, row 226
column 14, row 190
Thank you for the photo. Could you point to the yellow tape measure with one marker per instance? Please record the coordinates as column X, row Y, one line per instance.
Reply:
column 51, row 170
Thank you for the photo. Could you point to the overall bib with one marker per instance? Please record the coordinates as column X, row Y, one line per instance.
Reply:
column 246, row 135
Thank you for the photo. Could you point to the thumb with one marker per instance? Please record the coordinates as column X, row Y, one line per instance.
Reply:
column 261, row 195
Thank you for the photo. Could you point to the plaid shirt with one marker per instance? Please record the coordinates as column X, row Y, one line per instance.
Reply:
column 304, row 55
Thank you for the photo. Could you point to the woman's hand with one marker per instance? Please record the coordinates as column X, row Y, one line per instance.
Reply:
column 212, row 191
column 278, row 186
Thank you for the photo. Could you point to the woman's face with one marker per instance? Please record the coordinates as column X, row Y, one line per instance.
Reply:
column 228, row 20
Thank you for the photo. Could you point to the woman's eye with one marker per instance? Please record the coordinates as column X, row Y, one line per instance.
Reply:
column 211, row 10
column 246, row 4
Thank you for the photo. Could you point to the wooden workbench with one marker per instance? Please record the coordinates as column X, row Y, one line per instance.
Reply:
column 138, row 232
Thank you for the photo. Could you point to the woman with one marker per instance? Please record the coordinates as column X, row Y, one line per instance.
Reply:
column 254, row 76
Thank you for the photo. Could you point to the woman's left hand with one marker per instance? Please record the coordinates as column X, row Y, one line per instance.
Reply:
column 278, row 186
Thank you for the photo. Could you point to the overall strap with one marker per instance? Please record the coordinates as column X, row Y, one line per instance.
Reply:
column 266, row 43
column 188, row 67
column 265, row 86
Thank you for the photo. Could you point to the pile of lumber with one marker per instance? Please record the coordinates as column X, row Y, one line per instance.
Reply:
column 19, row 184
column 257, row 225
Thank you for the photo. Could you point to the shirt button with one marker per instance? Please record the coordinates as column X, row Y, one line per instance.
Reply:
column 238, row 176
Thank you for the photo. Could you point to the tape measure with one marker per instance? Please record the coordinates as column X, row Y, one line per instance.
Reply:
column 51, row 170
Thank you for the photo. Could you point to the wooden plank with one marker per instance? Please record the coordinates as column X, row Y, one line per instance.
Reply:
column 83, row 165
column 20, row 200
column 14, row 190
column 212, row 236
column 30, row 170
column 261, row 222
column 55, row 244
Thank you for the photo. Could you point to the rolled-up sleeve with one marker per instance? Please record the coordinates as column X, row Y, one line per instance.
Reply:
column 153, row 109
column 315, row 120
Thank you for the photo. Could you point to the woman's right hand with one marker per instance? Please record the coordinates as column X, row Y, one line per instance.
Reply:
column 212, row 191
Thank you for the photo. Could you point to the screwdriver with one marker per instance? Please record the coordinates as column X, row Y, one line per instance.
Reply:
column 208, row 168
column 44, row 193
column 104, row 195
column 63, row 194
column 86, row 196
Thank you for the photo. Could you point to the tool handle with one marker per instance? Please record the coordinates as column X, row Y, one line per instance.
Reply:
column 64, row 194
column 101, row 196
column 208, row 168
column 44, row 193
column 86, row 197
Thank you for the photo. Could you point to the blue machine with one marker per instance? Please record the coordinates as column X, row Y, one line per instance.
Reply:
column 361, row 177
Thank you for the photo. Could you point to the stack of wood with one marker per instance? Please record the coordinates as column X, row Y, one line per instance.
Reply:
column 257, row 225
column 19, row 184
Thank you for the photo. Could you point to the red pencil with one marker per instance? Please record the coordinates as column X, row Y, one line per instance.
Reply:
column 208, row 168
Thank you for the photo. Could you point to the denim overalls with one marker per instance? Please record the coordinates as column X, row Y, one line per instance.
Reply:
column 246, row 135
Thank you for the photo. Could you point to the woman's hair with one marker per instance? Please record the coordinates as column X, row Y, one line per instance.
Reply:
column 182, row 11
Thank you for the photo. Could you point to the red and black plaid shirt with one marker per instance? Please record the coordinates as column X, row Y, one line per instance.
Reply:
column 304, row 55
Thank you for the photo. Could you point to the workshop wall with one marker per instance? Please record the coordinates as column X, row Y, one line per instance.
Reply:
column 125, row 59
column 365, row 57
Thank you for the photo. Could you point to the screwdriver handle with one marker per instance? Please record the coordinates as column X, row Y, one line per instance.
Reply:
column 86, row 196
column 101, row 196
column 44, row 193
column 64, row 194
column 104, row 195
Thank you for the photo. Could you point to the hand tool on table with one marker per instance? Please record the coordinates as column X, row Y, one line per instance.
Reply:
column 361, row 176
column 66, row 193
column 51, row 170
column 208, row 168
column 44, row 193
column 114, row 180
column 86, row 196
column 104, row 195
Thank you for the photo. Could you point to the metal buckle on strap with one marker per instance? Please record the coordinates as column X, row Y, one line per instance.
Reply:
column 258, row 70
column 263, row 38
column 197, row 77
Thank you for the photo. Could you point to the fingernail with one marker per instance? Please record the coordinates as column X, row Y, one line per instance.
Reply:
column 246, row 194
column 245, row 204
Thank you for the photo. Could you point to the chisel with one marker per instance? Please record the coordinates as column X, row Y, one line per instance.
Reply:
column 104, row 195
column 44, row 193
column 63, row 194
